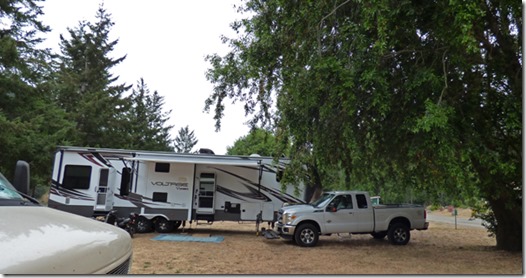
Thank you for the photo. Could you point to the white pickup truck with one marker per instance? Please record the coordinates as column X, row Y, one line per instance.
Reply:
column 347, row 212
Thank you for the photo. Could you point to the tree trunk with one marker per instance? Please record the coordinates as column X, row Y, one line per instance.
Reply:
column 508, row 230
column 317, row 188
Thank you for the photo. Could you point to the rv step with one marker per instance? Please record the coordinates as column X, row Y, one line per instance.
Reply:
column 207, row 217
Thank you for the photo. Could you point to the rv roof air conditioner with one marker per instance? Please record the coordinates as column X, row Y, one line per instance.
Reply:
column 206, row 151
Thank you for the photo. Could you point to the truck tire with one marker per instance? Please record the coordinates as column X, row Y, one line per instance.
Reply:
column 162, row 225
column 306, row 235
column 399, row 234
column 379, row 235
column 144, row 225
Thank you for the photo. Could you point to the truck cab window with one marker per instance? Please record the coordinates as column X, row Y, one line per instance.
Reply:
column 361, row 200
column 345, row 202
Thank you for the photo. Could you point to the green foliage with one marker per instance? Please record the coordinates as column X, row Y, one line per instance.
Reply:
column 31, row 125
column 84, row 85
column 408, row 99
column 146, row 122
column 69, row 100
column 185, row 140
column 258, row 141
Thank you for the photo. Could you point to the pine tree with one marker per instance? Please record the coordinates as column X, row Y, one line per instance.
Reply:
column 185, row 140
column 31, row 125
column 85, row 87
column 147, row 122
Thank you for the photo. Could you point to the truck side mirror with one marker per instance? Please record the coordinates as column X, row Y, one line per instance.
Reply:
column 331, row 208
column 21, row 179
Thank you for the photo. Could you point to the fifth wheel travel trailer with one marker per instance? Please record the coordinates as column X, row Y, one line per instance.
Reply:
column 168, row 189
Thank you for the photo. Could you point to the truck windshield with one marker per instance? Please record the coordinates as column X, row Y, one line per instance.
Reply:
column 8, row 191
column 324, row 199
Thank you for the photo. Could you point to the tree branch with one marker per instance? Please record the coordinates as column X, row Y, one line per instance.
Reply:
column 445, row 77
column 321, row 22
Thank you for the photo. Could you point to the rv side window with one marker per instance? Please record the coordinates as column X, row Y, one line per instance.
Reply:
column 162, row 167
column 77, row 177
column 160, row 197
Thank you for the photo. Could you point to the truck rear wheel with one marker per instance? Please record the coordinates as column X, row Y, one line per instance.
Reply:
column 399, row 234
column 306, row 235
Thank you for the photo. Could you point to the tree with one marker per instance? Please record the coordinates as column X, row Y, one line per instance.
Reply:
column 84, row 85
column 185, row 140
column 31, row 124
column 147, row 121
column 258, row 141
column 420, row 96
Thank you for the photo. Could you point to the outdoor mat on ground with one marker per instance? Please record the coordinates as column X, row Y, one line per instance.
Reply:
column 167, row 237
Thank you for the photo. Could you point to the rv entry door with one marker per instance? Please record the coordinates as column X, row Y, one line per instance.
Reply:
column 105, row 189
column 207, row 188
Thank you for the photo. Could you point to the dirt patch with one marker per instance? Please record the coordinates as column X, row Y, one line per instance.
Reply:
column 439, row 250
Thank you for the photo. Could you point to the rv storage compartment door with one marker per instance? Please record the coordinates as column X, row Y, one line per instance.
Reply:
column 249, row 211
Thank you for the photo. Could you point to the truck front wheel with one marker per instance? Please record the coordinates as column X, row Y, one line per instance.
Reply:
column 399, row 234
column 306, row 235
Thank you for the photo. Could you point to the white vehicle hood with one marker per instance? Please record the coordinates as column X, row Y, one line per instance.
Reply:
column 299, row 209
column 41, row 240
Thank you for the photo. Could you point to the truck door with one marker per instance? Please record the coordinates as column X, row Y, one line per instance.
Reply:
column 340, row 215
column 364, row 214
column 206, row 193
column 105, row 189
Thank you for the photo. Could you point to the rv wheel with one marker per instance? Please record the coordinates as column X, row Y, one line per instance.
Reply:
column 177, row 224
column 162, row 225
column 144, row 225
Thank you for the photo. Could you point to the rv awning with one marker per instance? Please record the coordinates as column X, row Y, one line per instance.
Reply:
column 198, row 160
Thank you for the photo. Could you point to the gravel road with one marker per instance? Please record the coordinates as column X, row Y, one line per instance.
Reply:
column 476, row 222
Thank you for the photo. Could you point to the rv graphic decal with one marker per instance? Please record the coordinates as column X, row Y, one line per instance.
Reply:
column 91, row 158
column 177, row 185
column 252, row 194
column 69, row 193
column 140, row 202
column 99, row 160
column 249, row 184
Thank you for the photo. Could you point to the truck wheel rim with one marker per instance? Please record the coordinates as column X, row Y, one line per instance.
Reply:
column 307, row 236
column 400, row 235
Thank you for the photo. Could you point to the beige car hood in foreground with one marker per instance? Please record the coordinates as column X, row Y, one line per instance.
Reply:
column 41, row 240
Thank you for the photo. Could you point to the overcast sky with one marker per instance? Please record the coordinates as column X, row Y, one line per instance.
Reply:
column 165, row 43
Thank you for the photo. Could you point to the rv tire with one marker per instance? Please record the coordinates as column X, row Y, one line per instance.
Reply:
column 177, row 224
column 162, row 225
column 144, row 225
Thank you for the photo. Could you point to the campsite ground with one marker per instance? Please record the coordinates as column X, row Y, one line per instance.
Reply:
column 441, row 249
